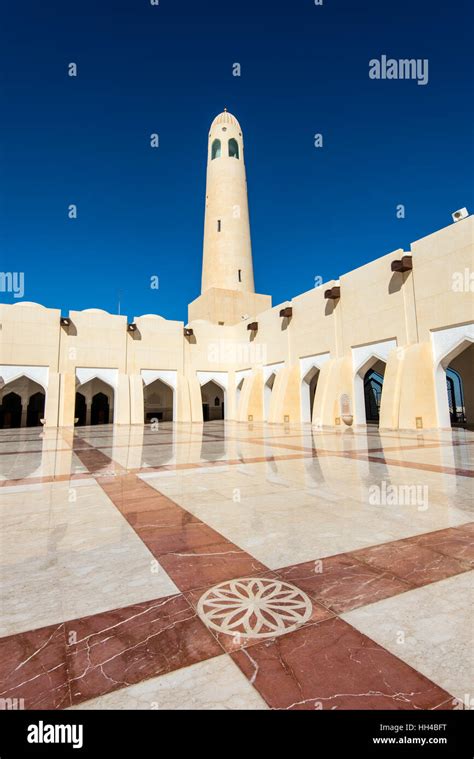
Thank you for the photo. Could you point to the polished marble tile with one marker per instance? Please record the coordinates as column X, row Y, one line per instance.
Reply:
column 342, row 583
column 281, row 529
column 209, row 565
column 411, row 561
column 100, row 521
column 430, row 628
column 68, row 552
column 237, row 636
column 333, row 666
column 458, row 543
column 216, row 684
column 33, row 669
column 125, row 646
column 444, row 455
column 30, row 595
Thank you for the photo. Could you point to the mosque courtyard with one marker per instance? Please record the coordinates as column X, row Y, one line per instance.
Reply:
column 236, row 566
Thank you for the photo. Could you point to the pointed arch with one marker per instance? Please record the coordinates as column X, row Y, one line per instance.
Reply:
column 22, row 402
column 213, row 397
column 371, row 356
column 99, row 397
column 158, row 400
column 368, row 389
column 37, row 374
column 456, row 356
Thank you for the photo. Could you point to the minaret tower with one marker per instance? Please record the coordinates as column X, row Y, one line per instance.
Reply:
column 227, row 253
column 227, row 289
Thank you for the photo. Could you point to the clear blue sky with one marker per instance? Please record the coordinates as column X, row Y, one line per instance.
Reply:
column 168, row 69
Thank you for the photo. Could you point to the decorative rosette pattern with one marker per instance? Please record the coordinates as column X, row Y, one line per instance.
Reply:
column 254, row 607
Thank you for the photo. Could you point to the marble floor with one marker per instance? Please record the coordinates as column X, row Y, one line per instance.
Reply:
column 235, row 566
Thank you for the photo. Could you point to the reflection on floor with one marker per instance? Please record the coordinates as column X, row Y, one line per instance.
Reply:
column 236, row 566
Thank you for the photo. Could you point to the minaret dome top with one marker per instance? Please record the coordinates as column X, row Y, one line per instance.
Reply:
column 226, row 118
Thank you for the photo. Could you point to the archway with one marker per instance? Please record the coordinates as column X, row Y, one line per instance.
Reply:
column 158, row 401
column 213, row 401
column 460, row 388
column 308, row 392
column 368, row 391
column 94, row 402
column 373, row 385
column 100, row 409
column 80, row 410
column 35, row 409
column 267, row 394
column 10, row 412
column 22, row 403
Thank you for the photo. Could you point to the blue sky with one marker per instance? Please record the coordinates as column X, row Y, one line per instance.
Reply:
column 168, row 69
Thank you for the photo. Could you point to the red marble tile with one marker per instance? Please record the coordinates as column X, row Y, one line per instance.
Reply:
column 411, row 562
column 452, row 704
column 136, row 501
column 186, row 536
column 96, row 461
column 209, row 565
column 125, row 646
column 342, row 583
column 450, row 542
column 117, row 485
column 467, row 528
column 33, row 668
column 148, row 520
column 333, row 666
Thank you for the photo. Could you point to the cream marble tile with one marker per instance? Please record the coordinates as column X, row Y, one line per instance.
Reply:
column 110, row 577
column 30, row 595
column 460, row 456
column 216, row 684
column 281, row 526
column 62, row 559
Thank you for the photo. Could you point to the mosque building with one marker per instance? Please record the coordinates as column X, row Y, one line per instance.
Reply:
column 390, row 343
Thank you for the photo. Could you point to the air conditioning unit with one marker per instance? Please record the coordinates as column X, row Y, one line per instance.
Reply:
column 463, row 213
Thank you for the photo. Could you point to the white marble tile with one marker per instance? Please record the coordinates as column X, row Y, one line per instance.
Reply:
column 62, row 559
column 281, row 524
column 30, row 595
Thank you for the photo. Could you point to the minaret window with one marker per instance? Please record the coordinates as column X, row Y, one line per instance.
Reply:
column 240, row 275
column 216, row 150
column 219, row 225
column 233, row 148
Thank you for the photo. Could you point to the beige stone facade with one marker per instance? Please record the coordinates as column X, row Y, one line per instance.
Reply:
column 414, row 329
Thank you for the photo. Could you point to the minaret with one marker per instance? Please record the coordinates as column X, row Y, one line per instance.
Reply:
column 227, row 288
column 227, row 252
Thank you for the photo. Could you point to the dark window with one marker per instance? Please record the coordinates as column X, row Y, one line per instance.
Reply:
column 219, row 225
column 233, row 148
column 240, row 275
column 373, row 384
column 216, row 149
column 457, row 409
